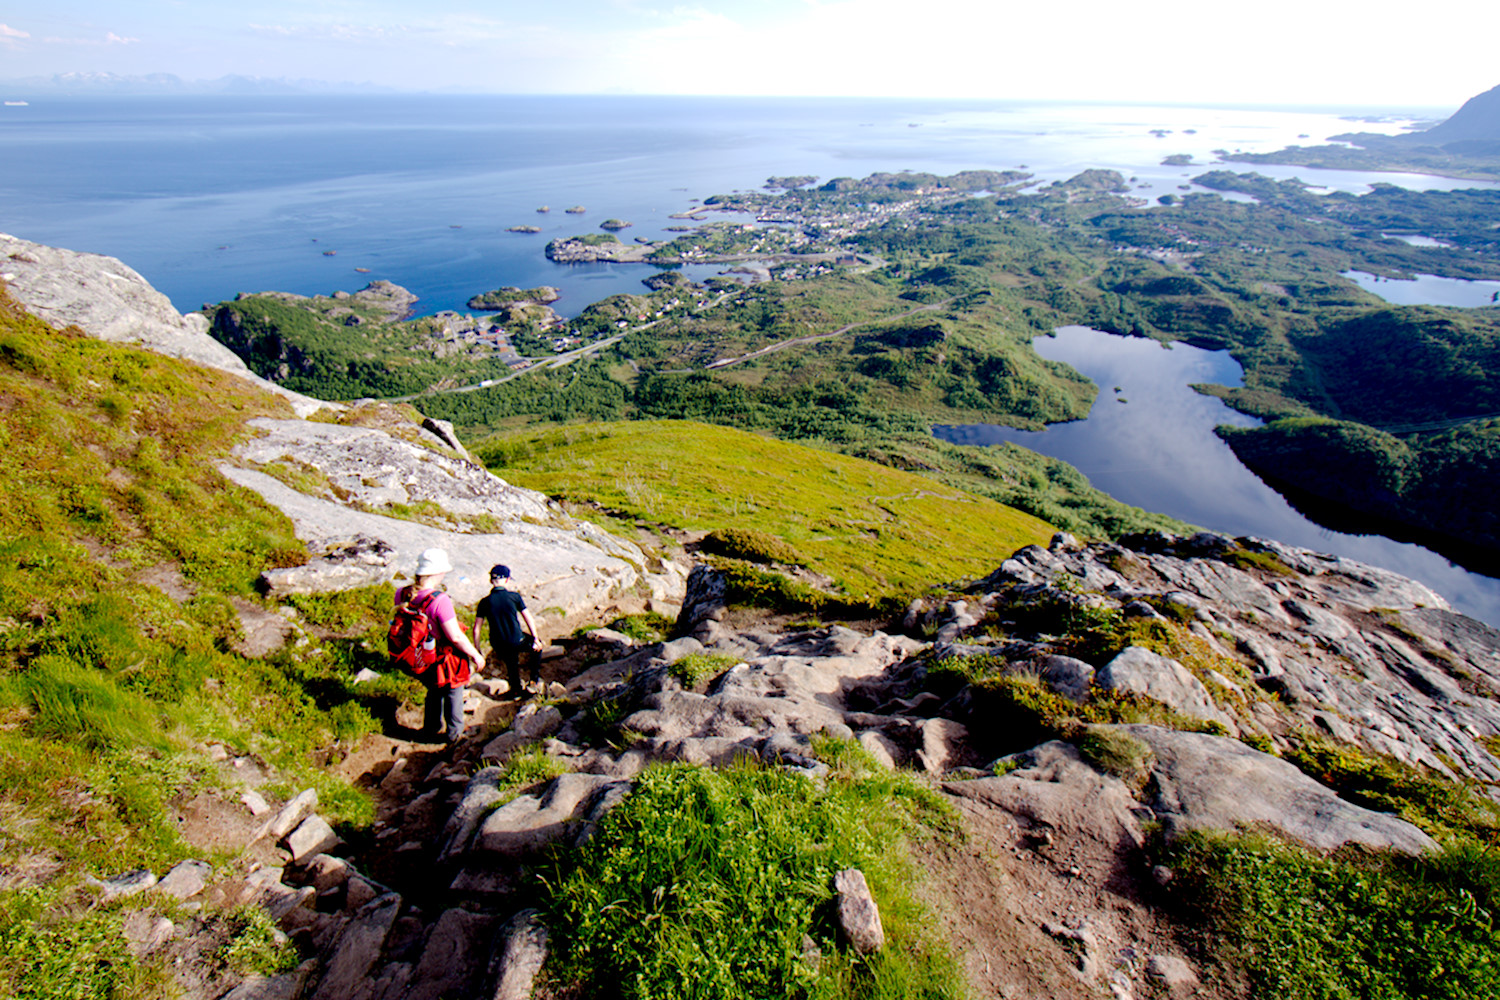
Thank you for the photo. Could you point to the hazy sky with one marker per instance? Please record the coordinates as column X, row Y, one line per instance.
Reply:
column 1317, row 52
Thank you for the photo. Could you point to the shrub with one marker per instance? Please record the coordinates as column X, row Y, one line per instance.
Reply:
column 695, row 668
column 1438, row 806
column 648, row 627
column 48, row 952
column 1114, row 752
column 253, row 948
column 751, row 546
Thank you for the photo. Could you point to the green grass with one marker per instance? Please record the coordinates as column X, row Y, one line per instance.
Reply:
column 704, row 883
column 695, row 668
column 108, row 686
column 54, row 949
column 875, row 531
column 1350, row 927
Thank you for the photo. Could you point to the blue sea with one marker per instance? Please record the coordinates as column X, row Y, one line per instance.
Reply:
column 208, row 197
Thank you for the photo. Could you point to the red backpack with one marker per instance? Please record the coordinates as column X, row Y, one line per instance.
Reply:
column 412, row 639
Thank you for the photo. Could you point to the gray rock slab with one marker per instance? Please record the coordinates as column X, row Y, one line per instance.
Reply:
column 1068, row 677
column 358, row 948
column 324, row 872
column 312, row 836
column 455, row 959
column 945, row 745
column 533, row 722
column 186, row 878
column 480, row 796
column 568, row 568
column 287, row 986
column 1053, row 789
column 291, row 814
column 552, row 813
column 1217, row 783
column 519, row 958
column 1139, row 670
column 121, row 886
column 145, row 931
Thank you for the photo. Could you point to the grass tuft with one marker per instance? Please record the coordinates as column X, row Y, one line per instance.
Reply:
column 704, row 884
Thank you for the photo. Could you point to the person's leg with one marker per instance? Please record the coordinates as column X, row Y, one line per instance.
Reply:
column 512, row 657
column 534, row 660
column 432, row 713
column 453, row 703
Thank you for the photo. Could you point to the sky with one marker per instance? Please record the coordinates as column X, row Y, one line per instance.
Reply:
column 1304, row 52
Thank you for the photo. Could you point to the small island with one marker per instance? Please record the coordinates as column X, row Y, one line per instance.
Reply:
column 789, row 183
column 592, row 247
column 575, row 210
column 1178, row 160
column 544, row 209
column 614, row 225
column 510, row 295
column 524, row 229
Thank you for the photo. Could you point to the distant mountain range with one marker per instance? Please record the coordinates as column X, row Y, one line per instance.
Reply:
column 168, row 83
column 1472, row 130
column 1477, row 121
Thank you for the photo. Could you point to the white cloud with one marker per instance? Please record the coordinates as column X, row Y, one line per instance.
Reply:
column 6, row 31
column 113, row 39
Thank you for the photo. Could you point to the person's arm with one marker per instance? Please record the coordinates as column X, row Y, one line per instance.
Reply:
column 536, row 640
column 478, row 621
column 455, row 633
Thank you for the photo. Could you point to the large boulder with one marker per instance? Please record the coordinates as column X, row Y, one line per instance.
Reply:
column 1203, row 782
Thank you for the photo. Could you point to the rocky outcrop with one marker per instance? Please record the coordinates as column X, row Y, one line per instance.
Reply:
column 1289, row 642
column 110, row 301
column 477, row 517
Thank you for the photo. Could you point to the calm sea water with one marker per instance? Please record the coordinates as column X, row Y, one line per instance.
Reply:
column 1149, row 441
column 208, row 197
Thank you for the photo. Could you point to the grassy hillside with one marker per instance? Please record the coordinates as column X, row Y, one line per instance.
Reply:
column 875, row 532
column 108, row 686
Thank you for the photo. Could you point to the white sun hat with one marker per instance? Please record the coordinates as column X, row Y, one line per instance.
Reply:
column 433, row 562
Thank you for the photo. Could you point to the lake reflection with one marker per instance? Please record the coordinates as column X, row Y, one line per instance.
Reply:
column 1151, row 444
column 1429, row 290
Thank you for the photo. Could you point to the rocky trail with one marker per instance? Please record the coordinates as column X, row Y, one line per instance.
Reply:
column 1223, row 655
column 1050, row 890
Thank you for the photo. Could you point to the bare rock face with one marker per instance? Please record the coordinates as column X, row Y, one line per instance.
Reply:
column 477, row 517
column 110, row 301
column 1292, row 641
column 1215, row 783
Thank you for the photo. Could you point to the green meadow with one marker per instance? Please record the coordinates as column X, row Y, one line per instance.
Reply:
column 876, row 532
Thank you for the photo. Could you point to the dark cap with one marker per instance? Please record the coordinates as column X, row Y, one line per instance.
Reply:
column 499, row 572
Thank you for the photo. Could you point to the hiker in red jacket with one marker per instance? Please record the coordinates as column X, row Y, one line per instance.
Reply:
column 443, row 708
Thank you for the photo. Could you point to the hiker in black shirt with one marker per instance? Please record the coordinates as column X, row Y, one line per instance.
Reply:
column 506, row 612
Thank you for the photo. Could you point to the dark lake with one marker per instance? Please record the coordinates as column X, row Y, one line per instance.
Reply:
column 1149, row 442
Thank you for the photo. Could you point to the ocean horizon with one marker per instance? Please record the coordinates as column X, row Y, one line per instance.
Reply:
column 211, row 196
